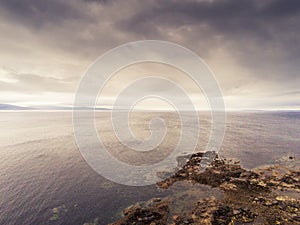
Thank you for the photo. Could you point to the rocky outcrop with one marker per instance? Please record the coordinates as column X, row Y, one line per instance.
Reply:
column 267, row 195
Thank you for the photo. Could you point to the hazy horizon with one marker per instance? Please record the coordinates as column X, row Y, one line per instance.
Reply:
column 70, row 108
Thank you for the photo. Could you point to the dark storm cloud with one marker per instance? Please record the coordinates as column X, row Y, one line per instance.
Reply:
column 279, row 8
column 257, row 17
column 266, row 21
column 258, row 33
column 260, row 21
column 36, row 12
column 222, row 15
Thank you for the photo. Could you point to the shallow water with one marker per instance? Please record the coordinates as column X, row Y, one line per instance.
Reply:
column 41, row 167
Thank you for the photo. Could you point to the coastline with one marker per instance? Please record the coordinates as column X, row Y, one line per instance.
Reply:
column 266, row 195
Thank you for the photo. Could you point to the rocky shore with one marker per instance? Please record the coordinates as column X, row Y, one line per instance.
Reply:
column 268, row 195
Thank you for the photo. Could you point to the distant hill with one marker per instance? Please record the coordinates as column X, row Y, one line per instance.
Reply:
column 12, row 107
column 67, row 108
column 15, row 107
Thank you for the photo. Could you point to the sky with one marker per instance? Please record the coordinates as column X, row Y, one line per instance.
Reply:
column 253, row 48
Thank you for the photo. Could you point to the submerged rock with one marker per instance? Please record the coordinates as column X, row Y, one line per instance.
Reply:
column 57, row 212
column 94, row 222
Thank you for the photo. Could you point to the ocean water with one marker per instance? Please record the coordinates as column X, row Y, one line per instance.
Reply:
column 45, row 180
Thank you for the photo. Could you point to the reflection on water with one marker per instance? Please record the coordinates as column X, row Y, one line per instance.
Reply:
column 41, row 168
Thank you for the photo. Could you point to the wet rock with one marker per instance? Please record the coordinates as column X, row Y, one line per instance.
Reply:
column 215, row 175
column 270, row 202
column 249, row 196
column 94, row 222
column 183, row 221
column 204, row 210
column 228, row 186
column 57, row 212
column 222, row 215
column 154, row 214
column 131, row 209
column 244, row 216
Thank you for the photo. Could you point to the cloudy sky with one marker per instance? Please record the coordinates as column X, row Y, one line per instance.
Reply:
column 253, row 47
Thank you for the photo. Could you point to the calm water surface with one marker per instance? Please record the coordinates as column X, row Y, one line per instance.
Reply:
column 41, row 167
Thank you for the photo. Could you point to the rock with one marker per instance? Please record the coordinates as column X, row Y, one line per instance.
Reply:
column 223, row 215
column 247, row 194
column 236, row 212
column 228, row 186
column 284, row 198
column 94, row 222
column 57, row 212
column 262, row 184
column 175, row 217
column 131, row 209
column 154, row 214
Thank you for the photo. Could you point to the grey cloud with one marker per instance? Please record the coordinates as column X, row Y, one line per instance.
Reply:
column 37, row 13
column 223, row 15
column 261, row 35
column 33, row 84
column 268, row 22
column 254, row 45
column 280, row 8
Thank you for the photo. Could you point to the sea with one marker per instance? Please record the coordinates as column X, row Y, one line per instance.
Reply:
column 44, row 178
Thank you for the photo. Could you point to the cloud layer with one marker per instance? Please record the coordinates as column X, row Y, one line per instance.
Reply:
column 252, row 46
